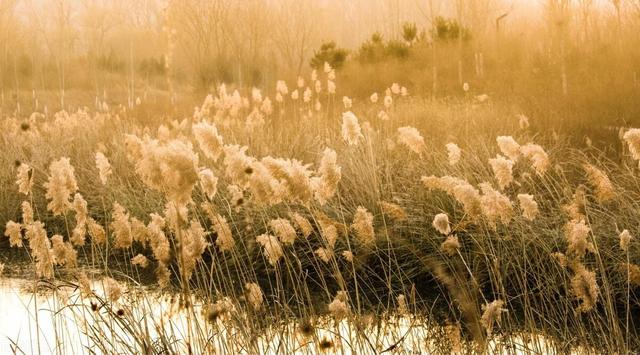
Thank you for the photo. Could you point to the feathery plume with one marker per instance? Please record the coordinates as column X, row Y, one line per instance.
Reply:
column 325, row 254
column 272, row 248
column 283, row 230
column 584, row 287
column 208, row 182
column 326, row 185
column 104, row 167
column 254, row 295
column 495, row 205
column 112, row 289
column 13, row 231
column 80, row 230
column 503, row 170
column 170, row 167
column 632, row 138
column 96, row 231
column 509, row 147
column 441, row 223
column 411, row 138
column 600, row 181
column 576, row 233
column 347, row 102
column 450, row 245
column 140, row 260
column 491, row 314
column 60, row 186
column 625, row 240
column 157, row 238
column 454, row 153
column 123, row 237
column 27, row 212
column 24, row 179
column 538, row 157
column 224, row 237
column 63, row 253
column 351, row 131
column 363, row 226
column 393, row 211
column 529, row 206
column 303, row 224
column 40, row 249
column 460, row 189
column 339, row 308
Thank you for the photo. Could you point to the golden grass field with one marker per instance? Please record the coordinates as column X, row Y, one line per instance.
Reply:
column 270, row 224
column 304, row 176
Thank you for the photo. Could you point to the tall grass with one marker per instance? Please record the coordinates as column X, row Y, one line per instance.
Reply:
column 371, row 254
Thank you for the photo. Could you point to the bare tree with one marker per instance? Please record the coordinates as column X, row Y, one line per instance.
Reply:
column 295, row 31
column 201, row 28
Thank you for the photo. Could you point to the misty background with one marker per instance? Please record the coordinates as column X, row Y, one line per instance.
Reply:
column 576, row 56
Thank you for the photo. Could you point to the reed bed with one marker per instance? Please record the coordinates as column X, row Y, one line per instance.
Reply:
column 309, row 221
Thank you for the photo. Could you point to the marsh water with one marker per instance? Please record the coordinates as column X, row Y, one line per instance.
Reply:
column 52, row 323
